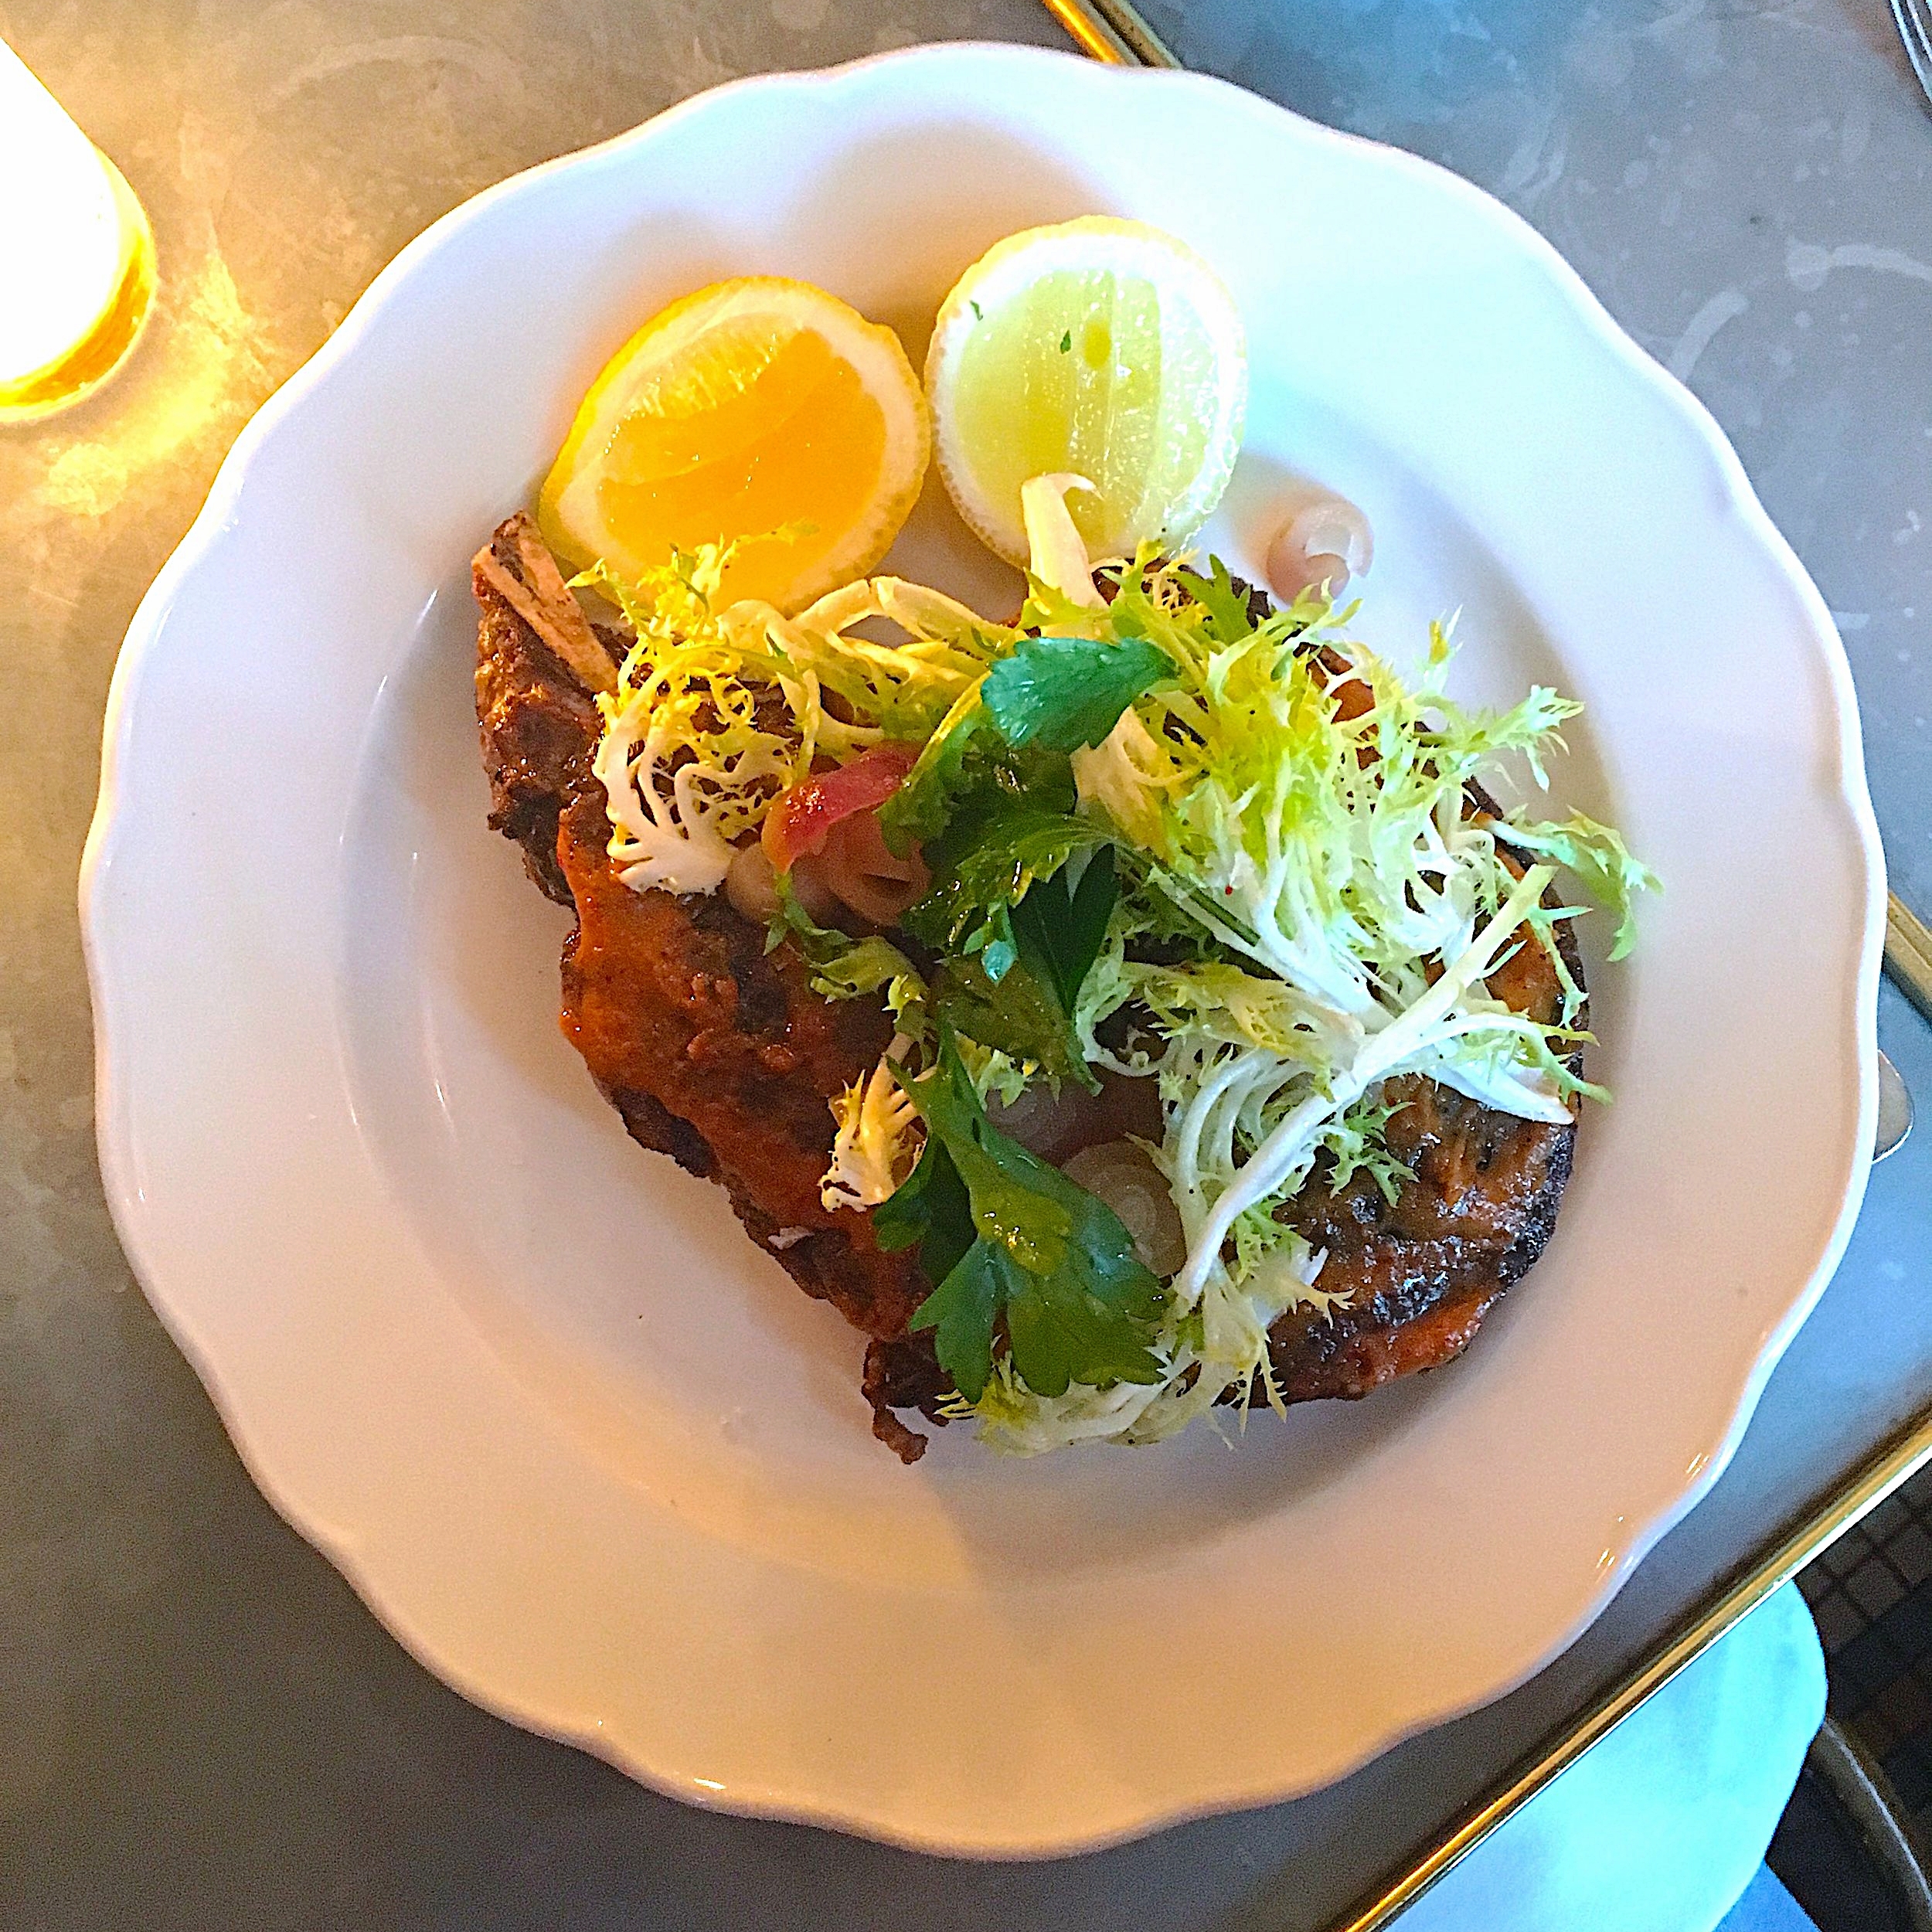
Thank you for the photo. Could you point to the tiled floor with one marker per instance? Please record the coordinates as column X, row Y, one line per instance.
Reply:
column 1871, row 1596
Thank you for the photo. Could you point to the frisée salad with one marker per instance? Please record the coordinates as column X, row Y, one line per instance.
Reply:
column 1206, row 877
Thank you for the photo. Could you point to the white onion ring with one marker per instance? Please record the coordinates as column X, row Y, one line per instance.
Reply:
column 1045, row 1123
column 752, row 886
column 878, row 883
column 1326, row 541
column 1057, row 1126
column 1122, row 1174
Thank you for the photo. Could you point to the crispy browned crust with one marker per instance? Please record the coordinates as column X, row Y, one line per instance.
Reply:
column 1417, row 1274
column 1420, row 1272
column 719, row 1055
column 539, row 725
column 709, row 1042
column 1415, row 1277
column 712, row 1051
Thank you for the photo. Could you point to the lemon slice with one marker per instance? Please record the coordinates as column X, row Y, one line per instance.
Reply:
column 1099, row 347
column 754, row 406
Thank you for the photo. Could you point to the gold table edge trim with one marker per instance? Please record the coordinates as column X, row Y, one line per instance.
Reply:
column 1904, row 1453
column 1113, row 31
column 1908, row 954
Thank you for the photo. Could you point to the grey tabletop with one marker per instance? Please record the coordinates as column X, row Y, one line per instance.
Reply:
column 199, row 1727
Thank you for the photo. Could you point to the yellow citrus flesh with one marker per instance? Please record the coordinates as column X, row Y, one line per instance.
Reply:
column 754, row 406
column 1101, row 348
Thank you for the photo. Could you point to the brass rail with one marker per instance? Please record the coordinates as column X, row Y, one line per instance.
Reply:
column 1908, row 954
column 1733, row 1599
column 1113, row 31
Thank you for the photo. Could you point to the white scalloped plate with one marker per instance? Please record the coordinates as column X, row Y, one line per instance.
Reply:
column 584, row 1449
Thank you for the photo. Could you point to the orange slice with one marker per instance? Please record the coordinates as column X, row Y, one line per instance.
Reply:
column 754, row 406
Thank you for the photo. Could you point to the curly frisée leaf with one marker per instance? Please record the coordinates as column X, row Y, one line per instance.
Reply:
column 717, row 711
column 693, row 749
column 1302, row 803
column 1229, row 611
column 1296, row 1116
column 902, row 689
column 1599, row 858
column 1056, row 1262
column 872, row 1150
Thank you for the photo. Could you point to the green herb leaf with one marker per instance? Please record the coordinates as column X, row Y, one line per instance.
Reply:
column 961, row 1311
column 1229, row 620
column 1080, row 1304
column 994, row 846
column 918, row 810
column 1015, row 966
column 1062, row 1331
column 930, row 1207
column 1066, row 341
column 1049, row 697
column 843, row 968
column 1062, row 930
column 1066, row 692
column 1019, row 1014
column 864, row 966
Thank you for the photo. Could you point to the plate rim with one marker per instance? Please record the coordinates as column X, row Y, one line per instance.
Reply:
column 201, row 543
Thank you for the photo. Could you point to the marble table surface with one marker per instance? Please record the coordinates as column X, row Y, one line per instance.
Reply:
column 200, row 1726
